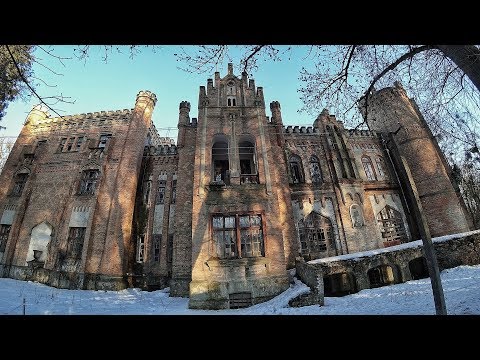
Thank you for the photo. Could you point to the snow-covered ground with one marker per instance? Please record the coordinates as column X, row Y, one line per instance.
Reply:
column 461, row 286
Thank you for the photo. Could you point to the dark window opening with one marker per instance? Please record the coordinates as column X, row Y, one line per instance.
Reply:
column 381, row 168
column 418, row 268
column 170, row 249
column 4, row 231
column 79, row 142
column 174, row 192
column 104, row 140
column 19, row 185
column 296, row 170
column 157, row 241
column 381, row 276
column 69, row 145
column 76, row 238
column 248, row 164
column 62, row 144
column 339, row 284
column 161, row 192
column 89, row 182
column 220, row 162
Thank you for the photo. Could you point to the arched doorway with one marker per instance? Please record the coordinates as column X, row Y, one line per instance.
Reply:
column 381, row 275
column 339, row 284
column 418, row 268
column 39, row 240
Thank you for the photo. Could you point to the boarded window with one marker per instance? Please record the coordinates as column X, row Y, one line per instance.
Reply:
column 240, row 300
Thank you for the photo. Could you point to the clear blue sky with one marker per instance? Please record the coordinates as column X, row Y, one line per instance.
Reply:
column 96, row 85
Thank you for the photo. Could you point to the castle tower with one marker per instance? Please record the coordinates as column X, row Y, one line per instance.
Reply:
column 391, row 111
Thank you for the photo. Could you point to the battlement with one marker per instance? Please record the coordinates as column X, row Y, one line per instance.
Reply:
column 167, row 149
column 99, row 115
column 361, row 133
column 300, row 130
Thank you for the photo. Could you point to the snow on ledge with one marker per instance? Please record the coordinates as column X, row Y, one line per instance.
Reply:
column 412, row 244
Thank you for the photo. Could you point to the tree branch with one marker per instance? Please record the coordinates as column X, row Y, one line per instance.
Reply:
column 27, row 83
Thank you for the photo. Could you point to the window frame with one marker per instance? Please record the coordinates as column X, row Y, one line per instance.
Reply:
column 75, row 243
column 367, row 160
column 237, row 231
column 85, row 180
column 4, row 234
column 19, row 184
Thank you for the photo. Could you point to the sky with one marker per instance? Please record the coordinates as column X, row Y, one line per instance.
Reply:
column 461, row 286
column 98, row 86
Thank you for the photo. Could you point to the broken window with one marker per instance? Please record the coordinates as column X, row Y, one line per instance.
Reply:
column 316, row 236
column 4, row 231
column 20, row 181
column 391, row 226
column 315, row 172
column 161, row 192
column 103, row 140
column 248, row 165
column 62, row 144
column 69, row 145
column 157, row 240
column 296, row 169
column 89, row 182
column 173, row 198
column 247, row 226
column 368, row 167
column 220, row 163
column 76, row 238
column 140, row 249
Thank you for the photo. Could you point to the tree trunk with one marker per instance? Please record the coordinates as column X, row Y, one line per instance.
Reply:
column 467, row 58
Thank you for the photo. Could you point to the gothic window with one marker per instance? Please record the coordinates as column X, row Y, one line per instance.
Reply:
column 69, row 145
column 148, row 186
column 174, row 192
column 381, row 167
column 20, row 181
column 140, row 256
column 4, row 231
column 391, row 226
column 104, row 140
column 248, row 164
column 249, row 229
column 157, row 240
column 315, row 172
column 89, row 182
column 368, row 167
column 356, row 216
column 316, row 236
column 76, row 238
column 161, row 192
column 296, row 170
column 231, row 101
column 220, row 164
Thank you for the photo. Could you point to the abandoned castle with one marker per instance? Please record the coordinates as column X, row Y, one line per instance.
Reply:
column 100, row 201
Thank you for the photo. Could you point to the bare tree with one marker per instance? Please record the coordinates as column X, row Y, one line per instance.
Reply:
column 6, row 145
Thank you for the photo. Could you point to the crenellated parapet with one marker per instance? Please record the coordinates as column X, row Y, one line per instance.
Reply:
column 163, row 150
column 362, row 133
column 300, row 130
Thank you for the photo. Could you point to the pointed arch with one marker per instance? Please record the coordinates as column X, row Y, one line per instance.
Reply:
column 368, row 167
column 40, row 237
column 220, row 158
column 315, row 171
column 296, row 169
column 391, row 225
column 316, row 236
column 248, row 159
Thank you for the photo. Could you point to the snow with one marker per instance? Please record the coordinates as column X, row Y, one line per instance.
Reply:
column 461, row 287
column 412, row 244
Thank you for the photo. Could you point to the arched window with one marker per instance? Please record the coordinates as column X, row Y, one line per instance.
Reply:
column 381, row 167
column 368, row 167
column 220, row 165
column 391, row 225
column 315, row 172
column 316, row 236
column 296, row 169
column 248, row 162
column 356, row 216
column 231, row 92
